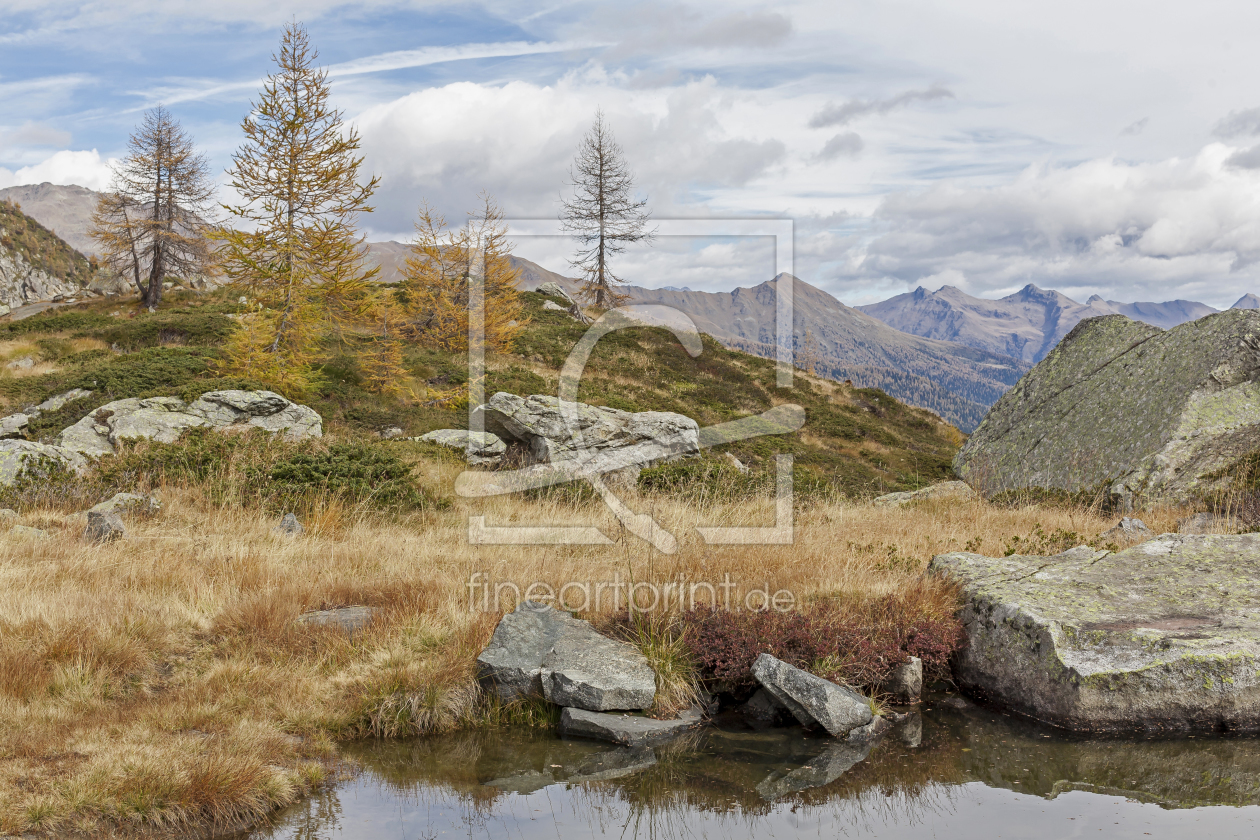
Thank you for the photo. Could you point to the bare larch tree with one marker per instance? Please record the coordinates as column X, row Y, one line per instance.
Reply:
column 604, row 213
column 152, row 223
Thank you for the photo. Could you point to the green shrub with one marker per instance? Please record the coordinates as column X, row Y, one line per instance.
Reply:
column 355, row 471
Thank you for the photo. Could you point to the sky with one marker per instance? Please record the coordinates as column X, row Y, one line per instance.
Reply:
column 1094, row 147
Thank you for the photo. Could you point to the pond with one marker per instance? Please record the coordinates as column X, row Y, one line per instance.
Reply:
column 952, row 771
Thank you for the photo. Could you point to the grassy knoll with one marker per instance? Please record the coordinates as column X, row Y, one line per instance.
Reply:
column 161, row 682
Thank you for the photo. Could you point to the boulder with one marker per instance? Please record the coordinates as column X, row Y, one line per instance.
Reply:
column 553, row 289
column 9, row 517
column 104, row 526
column 127, row 503
column 762, row 708
column 511, row 665
column 593, row 672
column 480, row 448
column 390, row 433
column 812, row 700
column 166, row 418
column 552, row 306
column 1147, row 415
column 26, row 532
column 627, row 730
column 289, row 526
column 944, row 490
column 1128, row 529
column 1164, row 635
column 602, row 440
column 24, row 363
column 15, row 425
column 17, row 455
column 905, row 683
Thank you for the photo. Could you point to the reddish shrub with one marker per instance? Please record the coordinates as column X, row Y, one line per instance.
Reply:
column 727, row 643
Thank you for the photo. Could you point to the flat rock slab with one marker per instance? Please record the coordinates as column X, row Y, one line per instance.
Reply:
column 626, row 730
column 944, row 490
column 349, row 619
column 812, row 700
column 1164, row 635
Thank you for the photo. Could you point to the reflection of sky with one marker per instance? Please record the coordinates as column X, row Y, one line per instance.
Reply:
column 982, row 144
column 368, row 810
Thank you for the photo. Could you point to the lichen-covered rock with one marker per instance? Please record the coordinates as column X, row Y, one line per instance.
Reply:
column 165, row 418
column 944, row 490
column 17, row 455
column 601, row 439
column 1149, row 415
column 588, row 671
column 511, row 665
column 15, row 424
column 553, row 289
column 1165, row 635
column 347, row 619
column 812, row 700
column 127, row 503
column 480, row 448
column 1207, row 523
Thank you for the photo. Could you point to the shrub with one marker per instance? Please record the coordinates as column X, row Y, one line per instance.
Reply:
column 357, row 472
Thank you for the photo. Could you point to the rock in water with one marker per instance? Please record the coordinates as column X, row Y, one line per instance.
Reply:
column 480, row 448
column 593, row 672
column 944, row 490
column 627, row 730
column 104, row 526
column 165, row 419
column 600, row 440
column 905, row 683
column 540, row 651
column 1164, row 635
column 1148, row 415
column 812, row 700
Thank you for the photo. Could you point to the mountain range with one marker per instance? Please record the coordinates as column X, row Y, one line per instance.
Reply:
column 1026, row 325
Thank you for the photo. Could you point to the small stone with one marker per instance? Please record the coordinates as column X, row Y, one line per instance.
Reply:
column 812, row 700
column 104, row 526
column 627, row 730
column 944, row 490
column 24, row 363
column 1128, row 529
column 739, row 465
column 27, row 532
column 8, row 517
column 349, row 619
column 905, row 683
column 391, row 432
column 127, row 503
column 552, row 306
column 289, row 526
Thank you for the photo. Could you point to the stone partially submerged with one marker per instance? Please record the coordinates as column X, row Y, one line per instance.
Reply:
column 626, row 730
column 812, row 700
column 1145, row 414
column 1165, row 635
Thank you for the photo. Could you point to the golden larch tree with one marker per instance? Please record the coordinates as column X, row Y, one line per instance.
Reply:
column 301, row 259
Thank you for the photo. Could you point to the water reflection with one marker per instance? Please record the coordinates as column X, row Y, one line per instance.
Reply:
column 943, row 772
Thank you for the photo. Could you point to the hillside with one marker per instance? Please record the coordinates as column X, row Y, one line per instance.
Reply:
column 1026, row 325
column 856, row 441
column 34, row 263
column 65, row 210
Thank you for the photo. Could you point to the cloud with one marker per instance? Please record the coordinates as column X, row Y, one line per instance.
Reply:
column 845, row 112
column 84, row 168
column 1171, row 228
column 1136, row 128
column 845, row 144
column 744, row 29
column 1239, row 124
column 33, row 134
column 1245, row 158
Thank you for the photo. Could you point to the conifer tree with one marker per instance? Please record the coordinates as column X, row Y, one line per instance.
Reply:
column 151, row 224
column 302, row 258
column 604, row 213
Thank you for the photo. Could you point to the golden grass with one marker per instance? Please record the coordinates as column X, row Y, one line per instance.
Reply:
column 161, row 681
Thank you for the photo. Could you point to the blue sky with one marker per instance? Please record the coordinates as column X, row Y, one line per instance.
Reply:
column 1093, row 147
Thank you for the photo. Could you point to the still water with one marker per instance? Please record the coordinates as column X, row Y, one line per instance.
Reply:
column 954, row 771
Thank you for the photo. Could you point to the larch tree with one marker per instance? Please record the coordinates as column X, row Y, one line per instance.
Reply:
column 153, row 221
column 300, row 258
column 604, row 213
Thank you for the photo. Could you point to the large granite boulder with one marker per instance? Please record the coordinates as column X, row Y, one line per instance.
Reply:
column 166, row 418
column 812, row 700
column 539, row 650
column 601, row 439
column 1147, row 414
column 1164, row 635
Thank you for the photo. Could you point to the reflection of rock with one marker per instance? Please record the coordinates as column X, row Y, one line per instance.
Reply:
column 910, row 730
column 812, row 700
column 613, row 764
column 837, row 759
column 944, row 490
column 529, row 781
column 626, row 730
column 1162, row 635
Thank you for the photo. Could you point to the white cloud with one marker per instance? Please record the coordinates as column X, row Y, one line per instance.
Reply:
column 84, row 168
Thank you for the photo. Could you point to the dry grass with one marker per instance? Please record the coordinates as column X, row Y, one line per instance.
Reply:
column 161, row 681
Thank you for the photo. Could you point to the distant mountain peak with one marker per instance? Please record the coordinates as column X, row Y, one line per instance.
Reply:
column 1247, row 301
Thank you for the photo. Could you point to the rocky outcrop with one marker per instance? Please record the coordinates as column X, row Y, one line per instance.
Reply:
column 15, row 425
column 812, row 700
column 626, row 730
column 480, row 448
column 944, row 490
column 1164, row 635
column 537, row 650
column 166, row 418
column 1150, row 416
column 17, row 455
column 601, row 439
